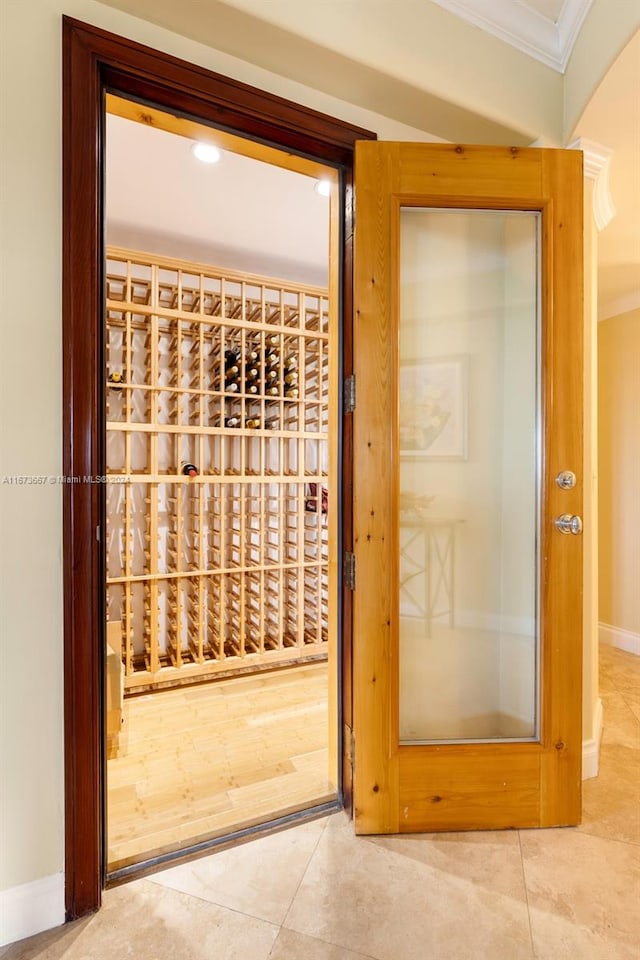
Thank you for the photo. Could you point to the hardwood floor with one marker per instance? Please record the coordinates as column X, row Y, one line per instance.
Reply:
column 202, row 761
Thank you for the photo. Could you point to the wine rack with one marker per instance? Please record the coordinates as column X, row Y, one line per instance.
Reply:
column 217, row 446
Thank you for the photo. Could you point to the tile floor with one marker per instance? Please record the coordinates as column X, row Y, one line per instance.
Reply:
column 316, row 892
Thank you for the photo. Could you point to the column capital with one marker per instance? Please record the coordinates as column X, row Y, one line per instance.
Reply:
column 597, row 159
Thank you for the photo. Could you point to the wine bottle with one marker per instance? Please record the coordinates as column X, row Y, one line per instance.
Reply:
column 232, row 421
column 272, row 358
column 291, row 362
column 189, row 470
column 271, row 375
column 272, row 339
column 252, row 388
column 273, row 390
column 231, row 386
column 252, row 423
column 251, row 356
column 116, row 379
column 251, row 373
column 272, row 423
column 291, row 392
column 291, row 377
column 231, row 356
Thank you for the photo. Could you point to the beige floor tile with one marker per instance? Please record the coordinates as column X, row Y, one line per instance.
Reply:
column 620, row 724
column 148, row 922
column 583, row 895
column 389, row 900
column 620, row 672
column 259, row 878
column 296, row 946
column 488, row 859
column 611, row 801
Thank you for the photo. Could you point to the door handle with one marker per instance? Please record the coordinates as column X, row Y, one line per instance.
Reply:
column 569, row 523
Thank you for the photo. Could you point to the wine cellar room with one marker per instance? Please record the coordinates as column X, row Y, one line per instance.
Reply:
column 221, row 341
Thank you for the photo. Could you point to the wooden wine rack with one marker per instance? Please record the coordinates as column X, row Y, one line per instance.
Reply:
column 227, row 570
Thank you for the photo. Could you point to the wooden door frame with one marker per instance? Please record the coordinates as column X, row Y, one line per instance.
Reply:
column 95, row 61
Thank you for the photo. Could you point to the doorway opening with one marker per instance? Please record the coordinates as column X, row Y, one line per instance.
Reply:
column 97, row 63
column 222, row 497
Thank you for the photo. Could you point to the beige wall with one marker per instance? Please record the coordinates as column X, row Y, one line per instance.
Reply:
column 619, row 470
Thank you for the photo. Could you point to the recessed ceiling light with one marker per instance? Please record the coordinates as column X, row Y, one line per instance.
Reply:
column 206, row 152
column 323, row 187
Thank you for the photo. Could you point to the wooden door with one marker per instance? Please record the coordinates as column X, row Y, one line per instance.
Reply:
column 444, row 547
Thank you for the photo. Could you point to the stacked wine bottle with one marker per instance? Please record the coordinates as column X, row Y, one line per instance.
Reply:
column 232, row 370
column 259, row 373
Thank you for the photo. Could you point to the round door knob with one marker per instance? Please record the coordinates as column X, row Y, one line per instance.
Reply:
column 569, row 523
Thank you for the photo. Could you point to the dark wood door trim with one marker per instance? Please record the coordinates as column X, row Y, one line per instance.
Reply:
column 95, row 61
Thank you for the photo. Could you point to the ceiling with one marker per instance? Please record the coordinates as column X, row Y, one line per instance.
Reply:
column 240, row 213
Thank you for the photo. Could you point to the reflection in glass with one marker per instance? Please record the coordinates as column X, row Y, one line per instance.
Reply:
column 468, row 429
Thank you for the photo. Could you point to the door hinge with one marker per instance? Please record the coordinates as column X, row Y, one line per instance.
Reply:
column 350, row 394
column 349, row 570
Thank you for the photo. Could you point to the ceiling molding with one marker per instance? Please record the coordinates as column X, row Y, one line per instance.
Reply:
column 597, row 161
column 573, row 15
column 518, row 24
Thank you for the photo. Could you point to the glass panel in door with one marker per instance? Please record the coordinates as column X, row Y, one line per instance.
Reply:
column 468, row 475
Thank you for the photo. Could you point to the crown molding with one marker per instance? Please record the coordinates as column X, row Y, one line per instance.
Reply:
column 524, row 28
column 597, row 161
column 573, row 15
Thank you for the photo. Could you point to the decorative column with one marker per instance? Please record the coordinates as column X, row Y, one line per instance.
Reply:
column 598, row 212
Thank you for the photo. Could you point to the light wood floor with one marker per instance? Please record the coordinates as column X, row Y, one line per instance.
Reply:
column 202, row 761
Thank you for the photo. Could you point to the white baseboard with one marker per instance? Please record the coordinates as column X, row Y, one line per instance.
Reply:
column 591, row 747
column 622, row 639
column 31, row 908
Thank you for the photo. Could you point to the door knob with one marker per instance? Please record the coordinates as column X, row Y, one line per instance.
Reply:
column 569, row 524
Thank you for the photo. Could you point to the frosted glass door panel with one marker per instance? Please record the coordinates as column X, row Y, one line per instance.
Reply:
column 468, row 503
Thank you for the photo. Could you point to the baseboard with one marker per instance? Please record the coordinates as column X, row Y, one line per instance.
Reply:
column 617, row 637
column 31, row 908
column 591, row 747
